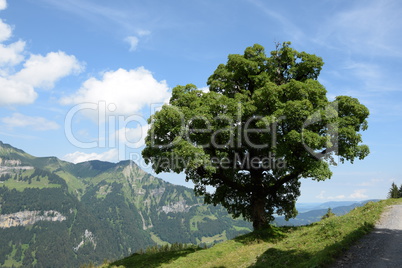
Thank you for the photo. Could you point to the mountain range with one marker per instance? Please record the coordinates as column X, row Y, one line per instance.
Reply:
column 58, row 214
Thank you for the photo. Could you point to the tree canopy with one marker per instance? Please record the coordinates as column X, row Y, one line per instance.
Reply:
column 264, row 124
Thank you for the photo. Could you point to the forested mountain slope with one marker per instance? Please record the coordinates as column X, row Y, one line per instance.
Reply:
column 58, row 214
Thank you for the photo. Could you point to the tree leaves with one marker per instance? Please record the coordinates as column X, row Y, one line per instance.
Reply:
column 264, row 124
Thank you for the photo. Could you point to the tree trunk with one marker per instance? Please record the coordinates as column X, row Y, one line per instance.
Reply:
column 259, row 219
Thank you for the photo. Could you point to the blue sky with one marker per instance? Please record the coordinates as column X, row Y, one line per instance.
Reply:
column 65, row 65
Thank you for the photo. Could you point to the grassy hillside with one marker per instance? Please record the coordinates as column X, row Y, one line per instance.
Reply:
column 314, row 245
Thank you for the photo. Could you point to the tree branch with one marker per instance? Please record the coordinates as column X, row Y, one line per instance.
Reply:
column 283, row 180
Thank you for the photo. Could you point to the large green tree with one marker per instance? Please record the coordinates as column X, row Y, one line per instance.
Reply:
column 264, row 124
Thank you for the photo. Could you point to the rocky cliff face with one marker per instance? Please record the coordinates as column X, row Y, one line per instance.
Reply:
column 24, row 218
column 87, row 238
column 11, row 165
column 176, row 207
column 8, row 162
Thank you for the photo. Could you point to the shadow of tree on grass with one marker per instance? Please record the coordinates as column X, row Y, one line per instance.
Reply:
column 270, row 234
column 274, row 257
column 149, row 260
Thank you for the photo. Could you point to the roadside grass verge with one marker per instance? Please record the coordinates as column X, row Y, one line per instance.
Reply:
column 314, row 245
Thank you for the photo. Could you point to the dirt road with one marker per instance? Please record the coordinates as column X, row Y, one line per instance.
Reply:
column 381, row 248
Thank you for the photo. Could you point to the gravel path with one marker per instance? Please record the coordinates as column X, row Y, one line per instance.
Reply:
column 382, row 247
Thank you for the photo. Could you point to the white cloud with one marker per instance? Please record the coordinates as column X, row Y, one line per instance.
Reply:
column 374, row 77
column 34, row 122
column 37, row 72
column 365, row 71
column 12, row 54
column 364, row 28
column 110, row 17
column 359, row 194
column 3, row 4
column 13, row 92
column 78, row 157
column 133, row 137
column 5, row 31
column 9, row 54
column 133, row 41
column 129, row 91
column 43, row 71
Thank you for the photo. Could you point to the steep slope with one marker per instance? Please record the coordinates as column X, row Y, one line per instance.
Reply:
column 315, row 245
column 58, row 214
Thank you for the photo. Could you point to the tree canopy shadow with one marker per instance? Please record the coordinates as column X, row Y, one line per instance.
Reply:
column 269, row 234
column 148, row 260
column 274, row 257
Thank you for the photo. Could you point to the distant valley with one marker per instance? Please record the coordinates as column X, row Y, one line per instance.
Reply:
column 309, row 213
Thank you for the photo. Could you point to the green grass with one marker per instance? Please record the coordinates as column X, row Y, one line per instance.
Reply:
column 239, row 228
column 150, row 260
column 74, row 184
column 211, row 239
column 22, row 185
column 10, row 262
column 157, row 240
column 314, row 245
column 199, row 218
